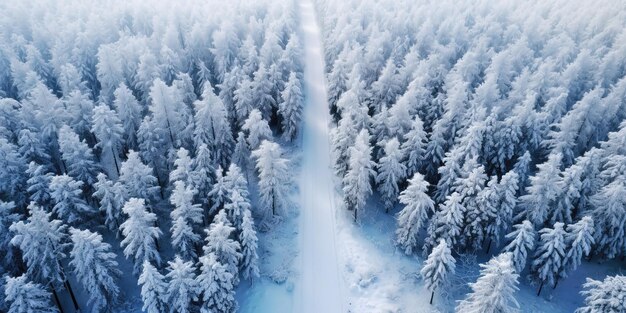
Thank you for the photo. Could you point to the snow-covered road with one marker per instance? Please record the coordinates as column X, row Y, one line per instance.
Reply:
column 319, row 287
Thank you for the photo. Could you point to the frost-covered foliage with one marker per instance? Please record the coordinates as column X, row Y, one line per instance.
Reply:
column 438, row 267
column 24, row 296
column 414, row 215
column 274, row 180
column 604, row 296
column 153, row 287
column 140, row 234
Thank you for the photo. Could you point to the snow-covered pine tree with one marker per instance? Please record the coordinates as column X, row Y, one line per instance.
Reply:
column 8, row 217
column 68, row 204
column 290, row 109
column 219, row 242
column 12, row 178
column 522, row 168
column 522, row 241
column 447, row 223
column 24, row 296
column 235, row 208
column 390, row 173
column 153, row 289
column 262, row 88
column 244, row 99
column 77, row 157
column 542, row 191
column 438, row 267
column 95, row 268
column 39, row 183
column 212, row 126
column 609, row 212
column 182, row 288
column 495, row 288
column 138, row 178
column 80, row 110
column 107, row 127
column 274, row 178
column 112, row 198
column 170, row 117
column 185, row 216
column 140, row 234
column 414, row 146
column 241, row 154
column 249, row 267
column 469, row 187
column 42, row 242
column 604, row 296
column 413, row 217
column 356, row 183
column 550, row 255
column 579, row 239
column 32, row 149
column 202, row 175
column 216, row 286
column 182, row 167
column 258, row 129
column 129, row 112
column 219, row 192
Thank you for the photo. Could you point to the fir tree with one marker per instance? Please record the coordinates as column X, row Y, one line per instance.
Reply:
column 273, row 178
column 202, row 175
column 108, row 130
column 414, row 145
column 212, row 127
column 390, row 172
column 68, row 204
column 140, row 234
column 137, row 178
column 604, row 296
column 185, row 216
column 438, row 267
column 609, row 214
column 95, row 268
column 112, row 198
column 129, row 112
column 413, row 217
column 24, row 296
column 550, row 255
column 290, row 109
column 182, row 167
column 543, row 191
column 522, row 241
column 219, row 242
column 257, row 129
column 39, row 183
column 182, row 288
column 356, row 183
column 216, row 285
column 241, row 155
column 153, row 288
column 447, row 222
column 77, row 156
column 579, row 240
column 219, row 192
column 247, row 237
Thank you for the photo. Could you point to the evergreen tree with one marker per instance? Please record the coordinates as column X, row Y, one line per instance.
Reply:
column 24, row 296
column 241, row 155
column 579, row 239
column 262, row 91
column 391, row 172
column 447, row 222
column 95, row 268
column 212, row 127
column 182, row 167
column 542, row 191
column 247, row 237
column 414, row 145
column 216, row 285
column 604, row 296
column 356, row 183
column 550, row 255
column 80, row 110
column 42, row 242
column 129, row 112
column 140, row 234
column 137, row 178
column 219, row 242
column 153, row 288
column 108, row 130
column 185, row 216
column 182, row 287
column 494, row 290
column 112, row 198
column 32, row 149
column 437, row 268
column 170, row 118
column 12, row 180
column 522, row 241
column 7, row 218
column 78, row 157
column 413, row 217
column 257, row 128
column 609, row 214
column 202, row 175
column 68, row 204
column 273, row 178
column 290, row 109
column 39, row 183
column 219, row 192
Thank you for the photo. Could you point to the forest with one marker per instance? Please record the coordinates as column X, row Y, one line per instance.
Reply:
column 168, row 158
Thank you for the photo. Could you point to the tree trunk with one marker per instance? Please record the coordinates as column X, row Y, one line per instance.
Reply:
column 117, row 167
column 355, row 214
column 540, row 287
column 488, row 246
column 56, row 299
column 432, row 295
column 69, row 289
column 556, row 283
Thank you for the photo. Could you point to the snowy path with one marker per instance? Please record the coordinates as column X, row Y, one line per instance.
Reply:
column 319, row 287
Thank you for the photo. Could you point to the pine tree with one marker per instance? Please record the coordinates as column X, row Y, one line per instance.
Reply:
column 262, row 90
column 356, row 183
column 413, row 217
column 219, row 242
column 494, row 290
column 219, row 192
column 257, row 129
column 182, row 288
column 32, row 149
column 39, row 183
column 391, row 172
column 290, row 109
column 437, row 268
column 414, row 146
column 68, row 204
column 235, row 208
column 24, row 296
column 80, row 110
column 8, row 217
column 447, row 222
column 216, row 285
column 108, row 130
column 95, row 268
column 469, row 187
column 550, row 255
column 42, row 242
column 241, row 155
column 170, row 117
column 185, row 216
column 129, row 112
column 153, row 288
column 579, row 239
column 522, row 241
column 202, row 175
column 604, row 296
column 12, row 180
column 609, row 214
column 244, row 99
column 247, row 237
column 212, row 126
column 140, row 234
column 112, row 198
column 137, row 178
column 182, row 167
column 273, row 178
column 543, row 191
column 77, row 156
